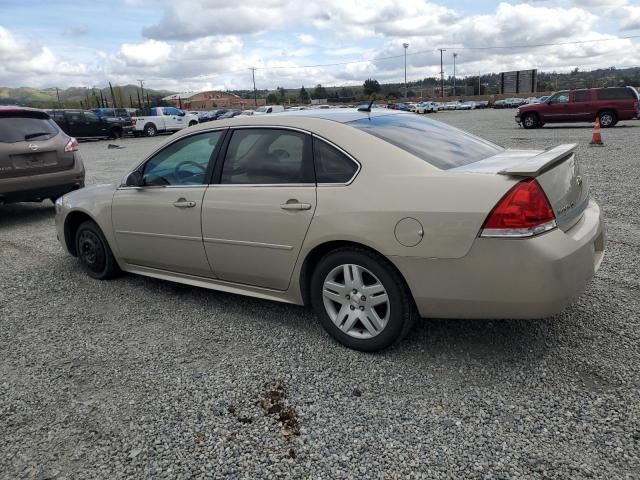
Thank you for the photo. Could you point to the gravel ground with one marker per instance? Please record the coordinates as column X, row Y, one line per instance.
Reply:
column 138, row 378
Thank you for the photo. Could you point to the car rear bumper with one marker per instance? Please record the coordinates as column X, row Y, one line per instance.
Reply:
column 503, row 278
column 46, row 185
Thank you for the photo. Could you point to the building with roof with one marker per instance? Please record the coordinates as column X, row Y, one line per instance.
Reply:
column 210, row 100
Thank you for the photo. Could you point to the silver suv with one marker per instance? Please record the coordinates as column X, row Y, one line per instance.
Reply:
column 37, row 159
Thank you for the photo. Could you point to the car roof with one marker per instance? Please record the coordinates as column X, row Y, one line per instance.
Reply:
column 18, row 108
column 340, row 115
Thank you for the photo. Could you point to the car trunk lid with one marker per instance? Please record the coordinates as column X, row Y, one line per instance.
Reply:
column 556, row 170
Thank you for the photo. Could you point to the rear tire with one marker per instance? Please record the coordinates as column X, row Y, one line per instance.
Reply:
column 116, row 133
column 150, row 130
column 361, row 300
column 192, row 123
column 607, row 119
column 94, row 252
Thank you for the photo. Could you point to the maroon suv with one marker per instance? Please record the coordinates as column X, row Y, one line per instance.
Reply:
column 585, row 105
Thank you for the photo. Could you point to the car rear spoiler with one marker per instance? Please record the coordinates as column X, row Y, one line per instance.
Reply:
column 534, row 166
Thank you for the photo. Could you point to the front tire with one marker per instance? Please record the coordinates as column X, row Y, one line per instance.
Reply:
column 361, row 300
column 116, row 133
column 94, row 253
column 192, row 123
column 530, row 120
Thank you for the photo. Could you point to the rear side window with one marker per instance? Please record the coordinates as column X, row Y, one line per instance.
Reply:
column 436, row 143
column 268, row 156
column 21, row 127
column 332, row 166
column 615, row 94
column 583, row 96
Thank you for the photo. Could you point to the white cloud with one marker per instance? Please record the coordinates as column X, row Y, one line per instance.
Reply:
column 306, row 39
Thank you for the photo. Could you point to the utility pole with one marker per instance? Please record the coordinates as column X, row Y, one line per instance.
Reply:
column 142, row 88
column 58, row 95
column 255, row 93
column 454, row 73
column 405, row 45
column 441, row 72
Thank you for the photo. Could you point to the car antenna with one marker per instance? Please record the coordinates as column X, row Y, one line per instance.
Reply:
column 368, row 108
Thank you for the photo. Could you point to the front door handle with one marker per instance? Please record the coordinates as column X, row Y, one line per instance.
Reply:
column 295, row 205
column 183, row 203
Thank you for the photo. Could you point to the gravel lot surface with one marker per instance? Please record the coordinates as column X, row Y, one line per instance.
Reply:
column 139, row 378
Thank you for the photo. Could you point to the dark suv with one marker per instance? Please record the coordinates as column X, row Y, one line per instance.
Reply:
column 120, row 117
column 610, row 105
column 87, row 124
column 37, row 160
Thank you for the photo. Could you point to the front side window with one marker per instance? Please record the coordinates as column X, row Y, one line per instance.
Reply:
column 184, row 162
column 436, row 143
column 73, row 117
column 562, row 97
column 268, row 156
column 91, row 117
column 332, row 166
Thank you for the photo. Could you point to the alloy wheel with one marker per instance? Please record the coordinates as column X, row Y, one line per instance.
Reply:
column 606, row 120
column 356, row 301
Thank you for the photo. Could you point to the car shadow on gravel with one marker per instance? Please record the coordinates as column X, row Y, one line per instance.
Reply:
column 23, row 213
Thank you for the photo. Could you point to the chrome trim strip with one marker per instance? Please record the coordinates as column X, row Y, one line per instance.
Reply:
column 160, row 235
column 290, row 185
column 155, row 187
column 248, row 244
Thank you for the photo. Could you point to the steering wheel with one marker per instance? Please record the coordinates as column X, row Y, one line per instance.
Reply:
column 188, row 162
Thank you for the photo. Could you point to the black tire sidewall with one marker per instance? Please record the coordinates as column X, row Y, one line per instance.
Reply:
column 110, row 265
column 384, row 272
column 150, row 130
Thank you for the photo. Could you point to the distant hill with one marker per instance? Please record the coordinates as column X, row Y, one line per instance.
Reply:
column 76, row 97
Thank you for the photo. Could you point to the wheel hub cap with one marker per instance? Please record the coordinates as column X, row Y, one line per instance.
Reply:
column 356, row 301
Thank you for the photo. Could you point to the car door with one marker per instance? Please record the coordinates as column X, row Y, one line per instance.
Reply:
column 157, row 224
column 74, row 123
column 173, row 119
column 94, row 126
column 558, row 108
column 255, row 218
column 581, row 105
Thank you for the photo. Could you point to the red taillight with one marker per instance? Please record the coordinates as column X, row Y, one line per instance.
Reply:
column 71, row 146
column 524, row 211
column 134, row 121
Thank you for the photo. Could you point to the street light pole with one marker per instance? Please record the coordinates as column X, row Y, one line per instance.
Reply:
column 441, row 73
column 405, row 45
column 255, row 93
column 454, row 73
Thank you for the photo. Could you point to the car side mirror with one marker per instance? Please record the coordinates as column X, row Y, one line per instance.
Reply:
column 135, row 179
column 181, row 114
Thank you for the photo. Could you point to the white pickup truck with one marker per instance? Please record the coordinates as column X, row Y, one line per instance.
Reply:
column 151, row 121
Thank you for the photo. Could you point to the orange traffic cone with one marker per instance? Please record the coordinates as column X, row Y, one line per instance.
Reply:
column 596, row 137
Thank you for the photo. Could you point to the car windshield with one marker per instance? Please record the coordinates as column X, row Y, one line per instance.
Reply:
column 18, row 127
column 261, row 109
column 434, row 142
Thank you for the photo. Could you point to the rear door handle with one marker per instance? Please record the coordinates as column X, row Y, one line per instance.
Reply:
column 183, row 203
column 295, row 206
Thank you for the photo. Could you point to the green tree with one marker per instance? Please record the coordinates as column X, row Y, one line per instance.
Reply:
column 370, row 86
column 281, row 95
column 272, row 99
column 319, row 92
column 304, row 95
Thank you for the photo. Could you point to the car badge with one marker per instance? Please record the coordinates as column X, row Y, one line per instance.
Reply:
column 33, row 147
